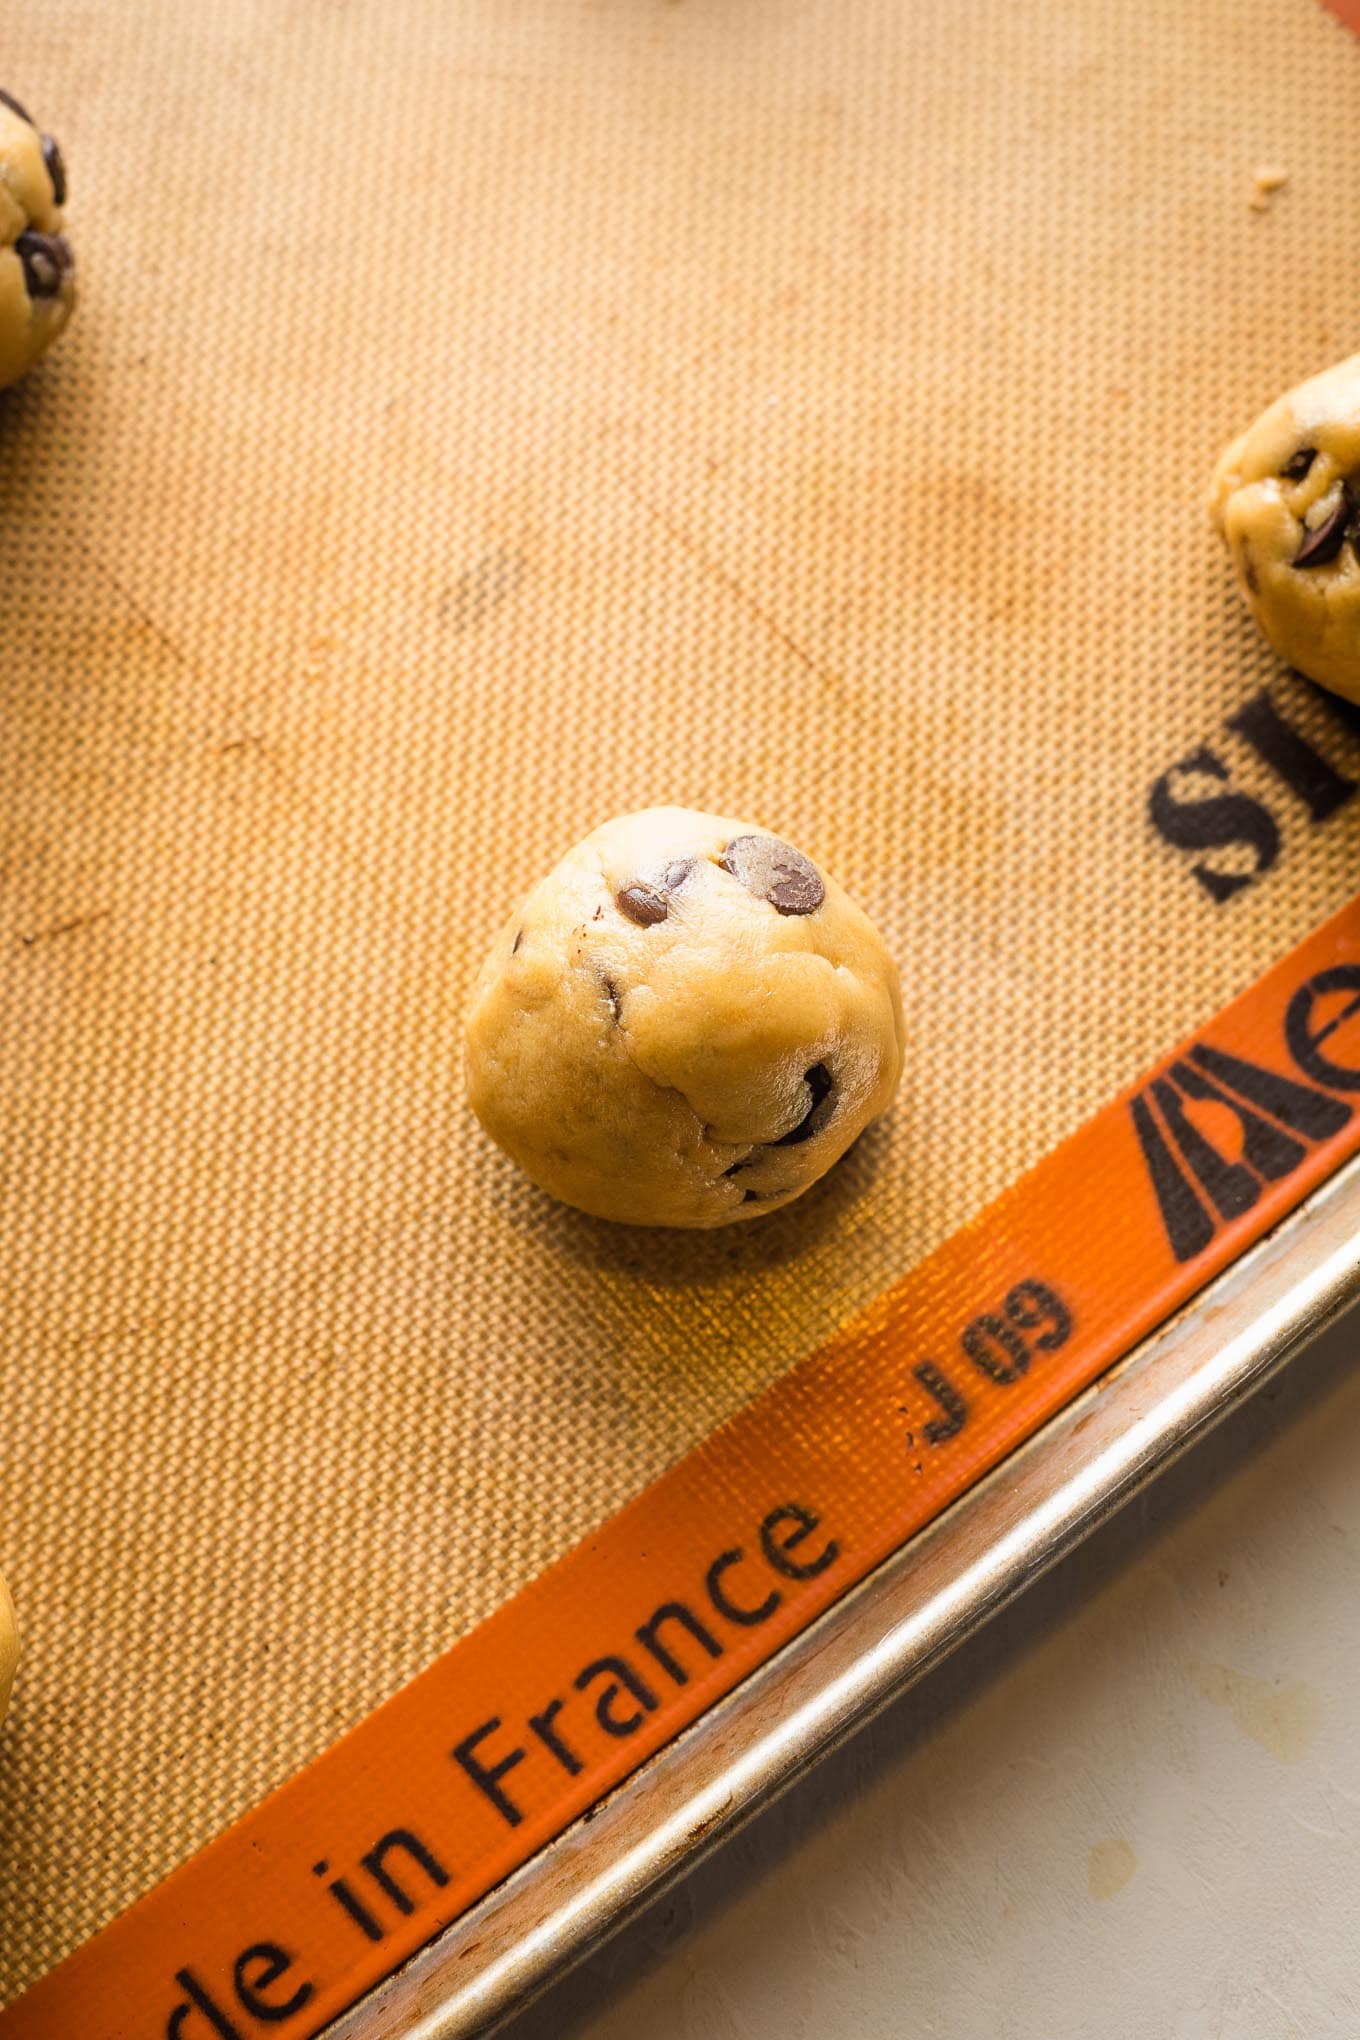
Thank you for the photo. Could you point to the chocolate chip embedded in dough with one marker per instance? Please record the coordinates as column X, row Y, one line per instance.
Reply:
column 776, row 872
column 46, row 259
column 1298, row 464
column 642, row 903
column 820, row 1087
column 647, row 900
column 1324, row 541
column 56, row 168
column 8, row 99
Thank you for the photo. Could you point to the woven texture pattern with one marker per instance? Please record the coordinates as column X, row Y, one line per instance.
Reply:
column 479, row 419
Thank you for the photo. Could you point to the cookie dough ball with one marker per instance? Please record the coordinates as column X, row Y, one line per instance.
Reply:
column 1286, row 497
column 37, row 270
column 686, row 1023
column 9, row 1647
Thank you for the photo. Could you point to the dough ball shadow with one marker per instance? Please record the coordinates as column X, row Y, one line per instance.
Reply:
column 672, row 1257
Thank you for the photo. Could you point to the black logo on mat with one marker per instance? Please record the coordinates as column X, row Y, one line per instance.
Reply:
column 1277, row 1116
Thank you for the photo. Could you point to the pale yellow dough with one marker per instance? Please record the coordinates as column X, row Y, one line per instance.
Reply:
column 30, row 319
column 9, row 1647
column 1310, row 613
column 648, row 1071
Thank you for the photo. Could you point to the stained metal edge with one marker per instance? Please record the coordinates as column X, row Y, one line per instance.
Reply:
column 885, row 1634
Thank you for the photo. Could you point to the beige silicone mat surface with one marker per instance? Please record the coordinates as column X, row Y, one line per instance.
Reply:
column 482, row 416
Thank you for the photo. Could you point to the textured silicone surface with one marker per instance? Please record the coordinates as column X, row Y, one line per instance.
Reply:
column 478, row 421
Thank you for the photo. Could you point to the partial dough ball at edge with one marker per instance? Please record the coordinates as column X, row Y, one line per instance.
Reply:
column 37, row 269
column 1286, row 498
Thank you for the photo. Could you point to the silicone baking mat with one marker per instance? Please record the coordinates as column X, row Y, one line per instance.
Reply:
column 479, row 419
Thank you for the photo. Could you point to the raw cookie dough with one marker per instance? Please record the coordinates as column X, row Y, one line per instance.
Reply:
column 1286, row 497
column 686, row 1023
column 9, row 1647
column 37, row 269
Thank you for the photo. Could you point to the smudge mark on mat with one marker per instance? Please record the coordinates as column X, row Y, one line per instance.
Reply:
column 481, row 589
column 1109, row 1867
column 65, row 927
column 1282, row 1716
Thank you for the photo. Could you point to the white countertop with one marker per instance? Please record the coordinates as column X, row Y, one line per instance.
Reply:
column 1129, row 1809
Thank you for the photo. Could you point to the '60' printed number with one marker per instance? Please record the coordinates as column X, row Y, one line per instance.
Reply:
column 1000, row 1346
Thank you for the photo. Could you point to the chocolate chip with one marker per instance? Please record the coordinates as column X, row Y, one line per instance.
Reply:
column 8, row 99
column 1298, row 464
column 776, row 872
column 641, row 903
column 56, row 168
column 647, row 901
column 46, row 259
column 1325, row 541
column 820, row 1087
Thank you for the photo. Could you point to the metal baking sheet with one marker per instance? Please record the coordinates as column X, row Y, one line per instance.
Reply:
column 477, row 420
